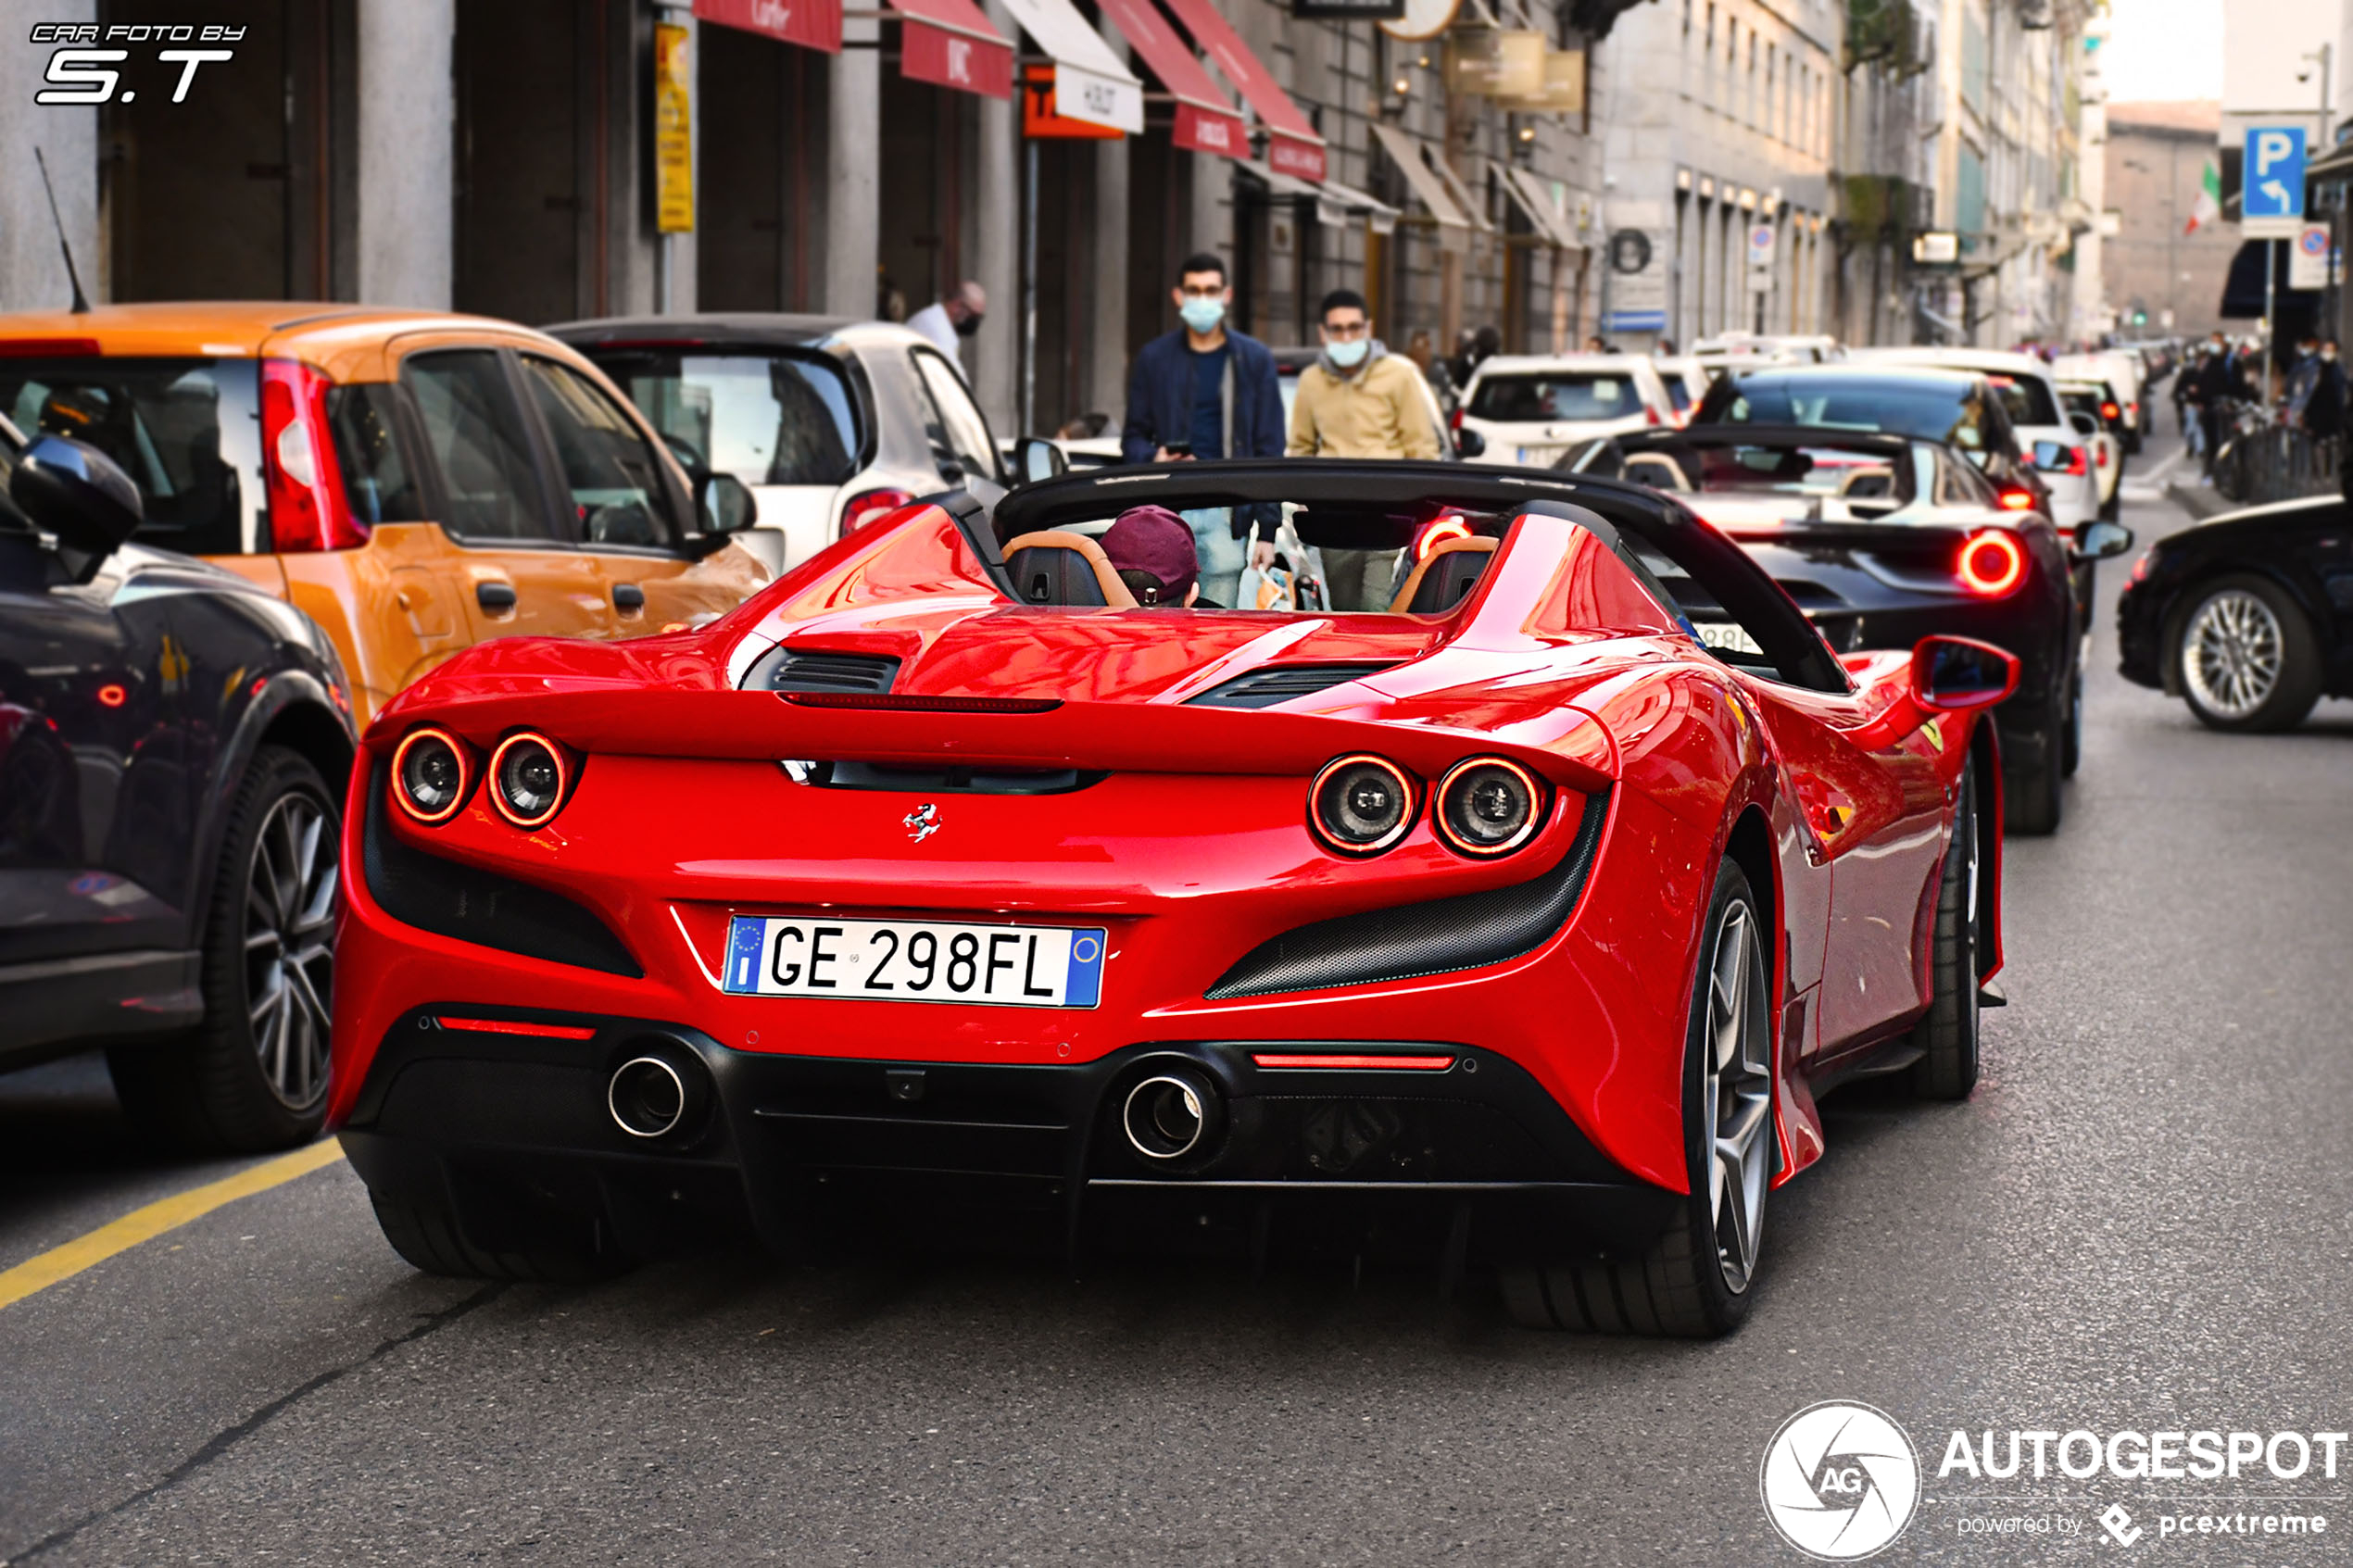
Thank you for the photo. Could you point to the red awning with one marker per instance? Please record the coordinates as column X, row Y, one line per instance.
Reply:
column 812, row 24
column 949, row 44
column 1205, row 122
column 1292, row 146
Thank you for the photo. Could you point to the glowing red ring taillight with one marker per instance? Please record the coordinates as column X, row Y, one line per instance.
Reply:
column 399, row 772
column 1527, row 828
column 1335, row 839
column 528, row 822
column 1992, row 563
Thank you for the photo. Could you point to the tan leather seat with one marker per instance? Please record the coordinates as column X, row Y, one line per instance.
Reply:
column 1443, row 578
column 1052, row 566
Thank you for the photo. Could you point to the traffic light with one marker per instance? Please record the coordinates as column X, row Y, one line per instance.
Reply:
column 2140, row 318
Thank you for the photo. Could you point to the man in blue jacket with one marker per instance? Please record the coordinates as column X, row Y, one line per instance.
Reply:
column 1207, row 392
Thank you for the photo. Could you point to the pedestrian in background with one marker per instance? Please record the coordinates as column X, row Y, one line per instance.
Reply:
column 1358, row 400
column 952, row 317
column 2323, row 416
column 1205, row 391
column 2297, row 387
column 2220, row 382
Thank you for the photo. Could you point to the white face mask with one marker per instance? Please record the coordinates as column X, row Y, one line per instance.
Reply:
column 1349, row 352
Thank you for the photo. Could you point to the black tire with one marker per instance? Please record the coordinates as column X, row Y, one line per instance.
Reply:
column 235, row 1085
column 429, row 1238
column 2071, row 752
column 2033, row 801
column 1681, row 1286
column 2296, row 682
column 1947, row 1035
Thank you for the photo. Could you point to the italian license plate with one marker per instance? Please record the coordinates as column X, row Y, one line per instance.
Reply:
column 895, row 961
column 1539, row 457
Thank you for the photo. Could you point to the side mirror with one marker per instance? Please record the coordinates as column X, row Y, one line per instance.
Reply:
column 1953, row 675
column 2098, row 541
column 1035, row 458
column 1469, row 443
column 726, row 505
column 2054, row 456
column 72, row 490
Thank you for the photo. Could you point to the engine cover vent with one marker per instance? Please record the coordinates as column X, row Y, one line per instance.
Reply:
column 813, row 669
column 1281, row 682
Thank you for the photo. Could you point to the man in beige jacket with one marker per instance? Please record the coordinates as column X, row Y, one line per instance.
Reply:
column 1358, row 400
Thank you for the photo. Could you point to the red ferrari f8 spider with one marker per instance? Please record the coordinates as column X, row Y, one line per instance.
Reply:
column 1522, row 921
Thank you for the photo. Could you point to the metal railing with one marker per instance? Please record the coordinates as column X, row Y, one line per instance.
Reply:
column 2263, row 459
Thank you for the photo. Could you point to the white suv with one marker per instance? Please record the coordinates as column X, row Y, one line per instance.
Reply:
column 2029, row 392
column 1530, row 409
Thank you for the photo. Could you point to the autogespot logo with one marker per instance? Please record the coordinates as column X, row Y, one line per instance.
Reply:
column 1839, row 1481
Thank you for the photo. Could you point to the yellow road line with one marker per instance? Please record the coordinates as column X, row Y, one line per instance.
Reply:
column 164, row 1214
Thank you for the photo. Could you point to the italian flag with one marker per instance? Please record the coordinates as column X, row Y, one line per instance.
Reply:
column 2209, row 199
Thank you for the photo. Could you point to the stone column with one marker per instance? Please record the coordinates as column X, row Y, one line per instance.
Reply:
column 1107, row 361
column 996, row 196
column 407, row 105
column 853, row 171
column 33, row 273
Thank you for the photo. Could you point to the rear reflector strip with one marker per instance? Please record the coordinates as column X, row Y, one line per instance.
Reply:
column 505, row 1026
column 1410, row 1063
column 915, row 704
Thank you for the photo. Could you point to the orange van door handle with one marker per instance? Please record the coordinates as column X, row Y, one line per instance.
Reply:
column 628, row 596
column 494, row 596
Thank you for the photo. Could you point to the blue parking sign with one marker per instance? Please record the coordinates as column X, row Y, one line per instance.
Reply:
column 2273, row 186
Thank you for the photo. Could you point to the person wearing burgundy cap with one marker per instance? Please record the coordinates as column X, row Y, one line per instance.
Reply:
column 1152, row 548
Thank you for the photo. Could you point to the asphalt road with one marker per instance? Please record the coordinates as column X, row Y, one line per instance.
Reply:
column 2141, row 1221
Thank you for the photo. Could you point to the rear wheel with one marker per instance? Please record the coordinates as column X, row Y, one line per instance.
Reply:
column 254, row 1076
column 427, row 1235
column 2072, row 757
column 1695, row 1280
column 2248, row 658
column 1947, row 1035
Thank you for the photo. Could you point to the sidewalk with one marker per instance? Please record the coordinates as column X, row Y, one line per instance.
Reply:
column 2201, row 501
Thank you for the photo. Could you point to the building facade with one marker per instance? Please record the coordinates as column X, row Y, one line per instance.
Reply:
column 499, row 156
column 2156, row 155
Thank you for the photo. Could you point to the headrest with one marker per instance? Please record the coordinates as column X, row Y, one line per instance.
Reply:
column 1052, row 567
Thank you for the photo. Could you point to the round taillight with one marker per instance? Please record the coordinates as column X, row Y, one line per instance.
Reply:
column 1992, row 563
column 431, row 773
column 528, row 778
column 1360, row 805
column 1488, row 806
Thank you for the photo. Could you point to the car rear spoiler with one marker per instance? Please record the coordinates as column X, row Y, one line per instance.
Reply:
column 1563, row 742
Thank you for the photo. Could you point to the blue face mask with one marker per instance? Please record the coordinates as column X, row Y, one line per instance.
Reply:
column 1203, row 314
column 1349, row 353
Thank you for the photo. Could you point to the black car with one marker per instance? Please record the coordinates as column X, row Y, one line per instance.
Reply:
column 174, row 744
column 1882, row 540
column 1957, row 408
column 2248, row 617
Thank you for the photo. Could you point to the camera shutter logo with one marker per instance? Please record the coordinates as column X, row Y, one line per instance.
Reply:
column 1839, row 1481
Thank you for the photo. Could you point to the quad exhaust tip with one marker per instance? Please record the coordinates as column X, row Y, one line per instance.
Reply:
column 646, row 1097
column 1171, row 1115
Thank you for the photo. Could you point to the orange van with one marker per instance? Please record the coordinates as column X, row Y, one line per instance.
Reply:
column 415, row 481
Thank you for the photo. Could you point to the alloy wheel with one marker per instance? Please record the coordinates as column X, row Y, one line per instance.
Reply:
column 1737, row 1095
column 289, row 953
column 2231, row 652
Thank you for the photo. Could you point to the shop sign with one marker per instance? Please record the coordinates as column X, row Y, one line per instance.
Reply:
column 673, row 130
column 1205, row 130
column 1041, row 114
column 1560, row 86
column 812, row 24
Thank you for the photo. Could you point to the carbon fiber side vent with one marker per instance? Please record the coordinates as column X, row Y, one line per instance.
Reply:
column 1411, row 940
column 471, row 905
column 813, row 669
column 1281, row 683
